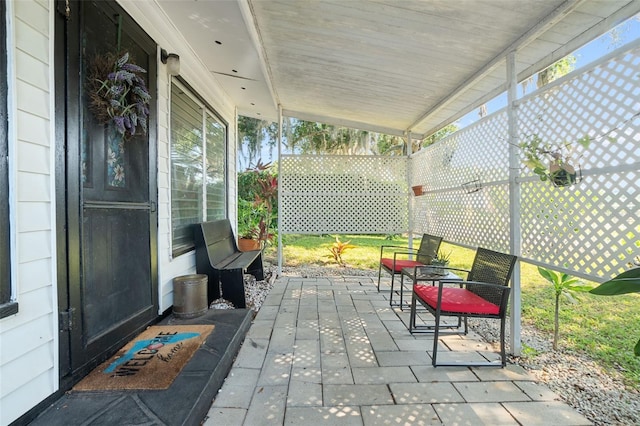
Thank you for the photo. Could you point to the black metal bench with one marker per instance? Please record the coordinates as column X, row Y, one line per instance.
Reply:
column 218, row 257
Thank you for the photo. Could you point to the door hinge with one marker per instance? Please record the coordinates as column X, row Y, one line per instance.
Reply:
column 65, row 320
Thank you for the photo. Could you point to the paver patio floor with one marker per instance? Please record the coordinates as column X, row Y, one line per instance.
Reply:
column 332, row 351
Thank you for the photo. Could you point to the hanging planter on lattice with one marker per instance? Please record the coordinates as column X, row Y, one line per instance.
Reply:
column 472, row 186
column 418, row 190
column 118, row 94
column 554, row 162
column 566, row 174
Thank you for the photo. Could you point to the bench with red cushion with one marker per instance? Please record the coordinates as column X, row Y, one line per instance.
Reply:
column 399, row 264
column 455, row 299
column 484, row 294
column 429, row 246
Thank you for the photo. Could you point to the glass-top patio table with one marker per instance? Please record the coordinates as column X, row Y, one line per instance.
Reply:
column 429, row 273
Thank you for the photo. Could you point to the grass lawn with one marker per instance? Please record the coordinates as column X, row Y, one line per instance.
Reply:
column 604, row 327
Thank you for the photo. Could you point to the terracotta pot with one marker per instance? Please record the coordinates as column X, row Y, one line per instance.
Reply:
column 417, row 190
column 246, row 244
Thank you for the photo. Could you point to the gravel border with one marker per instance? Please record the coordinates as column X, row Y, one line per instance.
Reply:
column 599, row 395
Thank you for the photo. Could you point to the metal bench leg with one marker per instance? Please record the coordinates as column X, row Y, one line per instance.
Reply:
column 256, row 268
column 213, row 286
column 233, row 287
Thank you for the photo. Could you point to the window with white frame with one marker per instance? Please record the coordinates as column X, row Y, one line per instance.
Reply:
column 6, row 306
column 198, row 166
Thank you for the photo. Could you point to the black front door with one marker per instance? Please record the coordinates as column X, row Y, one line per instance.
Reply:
column 107, row 260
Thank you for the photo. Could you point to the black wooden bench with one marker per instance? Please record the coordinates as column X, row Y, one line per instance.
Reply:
column 218, row 257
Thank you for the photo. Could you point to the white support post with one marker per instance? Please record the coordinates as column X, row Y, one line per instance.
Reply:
column 279, row 189
column 514, row 204
column 410, row 203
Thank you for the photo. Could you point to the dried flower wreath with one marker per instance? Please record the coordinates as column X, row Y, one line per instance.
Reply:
column 118, row 94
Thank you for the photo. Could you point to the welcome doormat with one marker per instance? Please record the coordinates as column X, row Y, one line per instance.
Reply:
column 150, row 361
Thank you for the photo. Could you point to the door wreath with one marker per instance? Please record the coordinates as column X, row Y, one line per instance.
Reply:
column 118, row 94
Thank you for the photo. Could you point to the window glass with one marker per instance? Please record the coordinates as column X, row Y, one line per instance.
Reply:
column 216, row 137
column 198, row 143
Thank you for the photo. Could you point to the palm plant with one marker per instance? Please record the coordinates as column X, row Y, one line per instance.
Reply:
column 441, row 259
column 563, row 285
column 337, row 250
column 626, row 282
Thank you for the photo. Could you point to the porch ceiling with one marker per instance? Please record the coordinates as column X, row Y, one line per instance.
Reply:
column 382, row 65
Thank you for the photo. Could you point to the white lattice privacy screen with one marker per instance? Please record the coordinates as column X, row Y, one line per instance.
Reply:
column 592, row 228
column 343, row 194
column 450, row 171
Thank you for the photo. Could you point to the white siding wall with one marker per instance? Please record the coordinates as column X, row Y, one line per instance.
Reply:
column 29, row 346
column 154, row 22
column 28, row 340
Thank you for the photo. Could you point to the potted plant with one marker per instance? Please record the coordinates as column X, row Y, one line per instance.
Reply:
column 248, row 226
column 257, row 202
column 553, row 162
column 439, row 263
column 418, row 190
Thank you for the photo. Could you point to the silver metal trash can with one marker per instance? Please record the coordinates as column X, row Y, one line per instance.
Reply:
column 190, row 296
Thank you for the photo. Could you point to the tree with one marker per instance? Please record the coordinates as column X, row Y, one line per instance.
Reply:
column 553, row 72
column 307, row 137
column 616, row 35
column 252, row 133
column 440, row 134
column 390, row 145
column 558, row 69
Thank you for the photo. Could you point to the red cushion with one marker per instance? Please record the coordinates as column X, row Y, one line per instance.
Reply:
column 400, row 263
column 455, row 299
